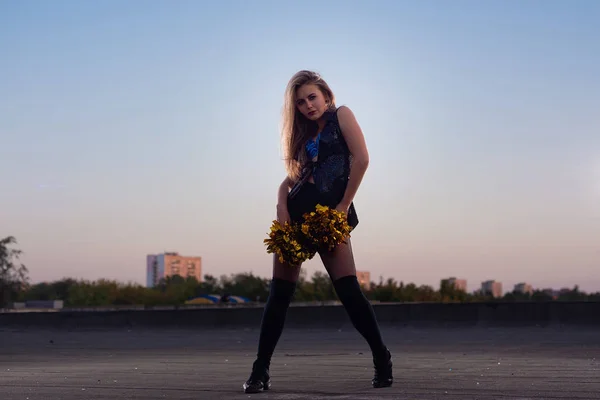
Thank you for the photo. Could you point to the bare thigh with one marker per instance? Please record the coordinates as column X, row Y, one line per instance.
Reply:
column 285, row 271
column 340, row 261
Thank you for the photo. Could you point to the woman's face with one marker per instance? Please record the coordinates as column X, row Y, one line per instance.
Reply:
column 311, row 102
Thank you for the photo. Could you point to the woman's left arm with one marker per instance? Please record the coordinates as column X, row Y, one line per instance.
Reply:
column 358, row 148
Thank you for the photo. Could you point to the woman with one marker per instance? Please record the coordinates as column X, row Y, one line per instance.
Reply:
column 326, row 158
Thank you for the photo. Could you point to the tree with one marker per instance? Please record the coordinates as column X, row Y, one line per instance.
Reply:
column 13, row 274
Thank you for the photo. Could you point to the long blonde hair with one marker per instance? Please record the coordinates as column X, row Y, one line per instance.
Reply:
column 296, row 128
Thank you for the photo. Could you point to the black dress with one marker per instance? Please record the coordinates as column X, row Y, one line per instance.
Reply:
column 330, row 172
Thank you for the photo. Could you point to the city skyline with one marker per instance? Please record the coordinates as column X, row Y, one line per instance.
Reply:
column 127, row 129
column 497, row 289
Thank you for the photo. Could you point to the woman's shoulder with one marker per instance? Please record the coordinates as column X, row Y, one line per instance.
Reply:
column 344, row 117
column 343, row 112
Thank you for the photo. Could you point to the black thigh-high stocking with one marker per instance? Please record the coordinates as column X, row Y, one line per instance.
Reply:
column 361, row 312
column 280, row 296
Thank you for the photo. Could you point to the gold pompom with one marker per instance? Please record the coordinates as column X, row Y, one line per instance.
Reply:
column 325, row 228
column 322, row 229
column 288, row 243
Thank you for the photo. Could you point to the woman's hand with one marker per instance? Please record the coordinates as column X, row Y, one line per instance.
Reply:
column 343, row 208
column 283, row 215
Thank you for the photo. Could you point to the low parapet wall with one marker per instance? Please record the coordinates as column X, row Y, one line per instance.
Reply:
column 324, row 316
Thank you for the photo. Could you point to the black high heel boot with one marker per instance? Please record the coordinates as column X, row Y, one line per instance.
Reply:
column 259, row 379
column 383, row 371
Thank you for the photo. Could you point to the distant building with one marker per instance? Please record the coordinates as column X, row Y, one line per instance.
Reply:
column 459, row 284
column 492, row 287
column 159, row 266
column 364, row 279
column 523, row 288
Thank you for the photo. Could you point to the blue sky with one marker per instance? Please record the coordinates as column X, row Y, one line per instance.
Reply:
column 130, row 128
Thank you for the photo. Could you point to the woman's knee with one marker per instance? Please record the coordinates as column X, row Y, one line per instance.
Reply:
column 284, row 271
column 347, row 287
column 281, row 291
column 339, row 263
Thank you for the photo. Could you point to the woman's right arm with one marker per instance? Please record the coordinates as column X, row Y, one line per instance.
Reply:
column 282, row 193
column 283, row 215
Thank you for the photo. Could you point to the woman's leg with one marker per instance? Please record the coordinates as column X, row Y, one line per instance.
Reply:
column 283, row 285
column 342, row 270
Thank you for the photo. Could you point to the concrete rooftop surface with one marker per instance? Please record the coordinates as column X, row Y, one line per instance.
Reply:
column 429, row 363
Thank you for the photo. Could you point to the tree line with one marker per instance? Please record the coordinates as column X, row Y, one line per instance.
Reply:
column 14, row 286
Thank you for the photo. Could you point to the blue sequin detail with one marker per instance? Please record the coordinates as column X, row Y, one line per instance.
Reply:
column 312, row 147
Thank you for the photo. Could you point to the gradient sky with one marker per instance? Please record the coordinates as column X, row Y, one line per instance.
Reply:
column 137, row 127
